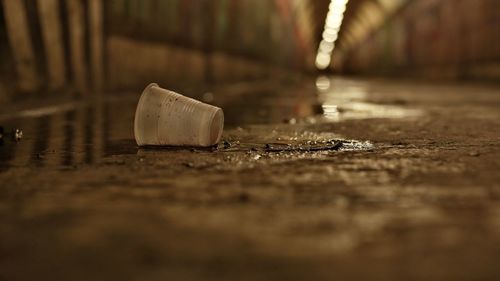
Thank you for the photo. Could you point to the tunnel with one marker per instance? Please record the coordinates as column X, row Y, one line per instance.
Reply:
column 250, row 140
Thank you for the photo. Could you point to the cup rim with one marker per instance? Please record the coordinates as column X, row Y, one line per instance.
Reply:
column 145, row 92
column 217, row 113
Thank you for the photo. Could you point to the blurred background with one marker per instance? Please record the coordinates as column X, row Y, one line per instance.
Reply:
column 360, row 140
column 84, row 45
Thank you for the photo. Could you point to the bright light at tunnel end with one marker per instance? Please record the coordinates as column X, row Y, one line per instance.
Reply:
column 333, row 23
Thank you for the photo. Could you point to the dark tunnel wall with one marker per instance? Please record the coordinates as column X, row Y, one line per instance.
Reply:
column 213, row 41
column 426, row 38
column 266, row 30
column 83, row 45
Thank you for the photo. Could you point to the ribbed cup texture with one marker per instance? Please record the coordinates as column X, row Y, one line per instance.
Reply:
column 166, row 118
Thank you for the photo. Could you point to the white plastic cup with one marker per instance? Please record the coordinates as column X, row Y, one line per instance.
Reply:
column 166, row 118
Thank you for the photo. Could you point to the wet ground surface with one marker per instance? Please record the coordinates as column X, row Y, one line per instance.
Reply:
column 333, row 178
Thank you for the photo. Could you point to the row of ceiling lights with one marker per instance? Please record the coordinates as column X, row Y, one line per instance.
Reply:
column 333, row 22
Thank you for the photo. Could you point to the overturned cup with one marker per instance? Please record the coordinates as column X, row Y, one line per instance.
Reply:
column 166, row 118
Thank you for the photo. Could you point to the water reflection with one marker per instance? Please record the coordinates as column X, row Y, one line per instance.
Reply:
column 68, row 138
column 81, row 133
column 323, row 83
column 69, row 135
column 41, row 142
column 89, row 134
column 330, row 111
column 6, row 154
column 343, row 99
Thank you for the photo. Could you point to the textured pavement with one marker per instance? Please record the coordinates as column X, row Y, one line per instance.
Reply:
column 411, row 194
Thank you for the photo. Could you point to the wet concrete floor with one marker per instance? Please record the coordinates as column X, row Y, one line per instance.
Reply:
column 322, row 179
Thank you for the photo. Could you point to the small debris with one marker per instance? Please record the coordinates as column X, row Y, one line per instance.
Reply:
column 226, row 144
column 329, row 145
column 17, row 134
column 257, row 157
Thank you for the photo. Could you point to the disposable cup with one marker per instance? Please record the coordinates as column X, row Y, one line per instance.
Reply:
column 167, row 118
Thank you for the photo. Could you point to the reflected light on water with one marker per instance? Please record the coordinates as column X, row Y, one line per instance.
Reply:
column 341, row 100
column 363, row 110
column 322, row 83
column 330, row 111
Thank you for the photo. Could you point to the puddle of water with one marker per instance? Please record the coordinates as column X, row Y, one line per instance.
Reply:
column 332, row 100
column 83, row 133
column 363, row 110
column 287, row 139
column 344, row 100
column 307, row 146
